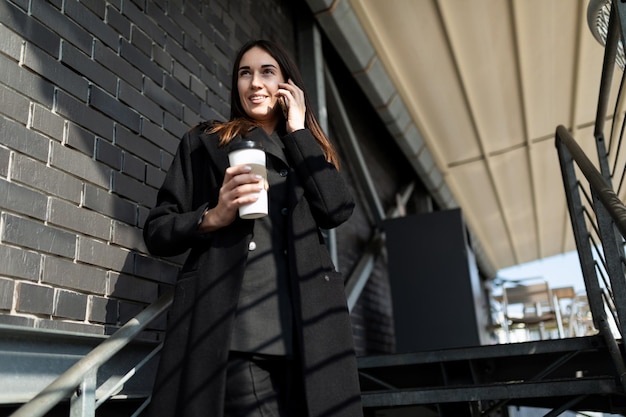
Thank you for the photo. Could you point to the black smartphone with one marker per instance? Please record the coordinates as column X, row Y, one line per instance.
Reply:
column 282, row 102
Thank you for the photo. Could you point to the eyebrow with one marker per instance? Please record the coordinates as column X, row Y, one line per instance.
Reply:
column 262, row 66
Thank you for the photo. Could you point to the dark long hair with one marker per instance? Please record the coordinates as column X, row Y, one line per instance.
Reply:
column 239, row 122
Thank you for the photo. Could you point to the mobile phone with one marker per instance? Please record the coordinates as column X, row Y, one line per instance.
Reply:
column 282, row 102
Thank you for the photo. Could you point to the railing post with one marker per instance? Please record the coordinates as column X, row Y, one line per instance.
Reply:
column 594, row 293
column 83, row 400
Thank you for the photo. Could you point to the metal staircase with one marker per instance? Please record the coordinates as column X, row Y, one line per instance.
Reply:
column 581, row 374
column 578, row 374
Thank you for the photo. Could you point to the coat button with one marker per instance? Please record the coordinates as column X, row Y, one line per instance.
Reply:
column 284, row 211
column 252, row 245
column 326, row 278
column 283, row 172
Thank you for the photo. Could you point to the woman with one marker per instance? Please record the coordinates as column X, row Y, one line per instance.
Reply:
column 259, row 324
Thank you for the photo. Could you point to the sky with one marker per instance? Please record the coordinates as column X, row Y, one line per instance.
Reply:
column 560, row 271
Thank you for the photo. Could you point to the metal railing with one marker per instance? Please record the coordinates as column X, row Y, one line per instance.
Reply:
column 597, row 213
column 78, row 383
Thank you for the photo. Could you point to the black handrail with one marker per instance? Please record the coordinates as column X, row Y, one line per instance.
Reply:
column 604, row 192
column 63, row 387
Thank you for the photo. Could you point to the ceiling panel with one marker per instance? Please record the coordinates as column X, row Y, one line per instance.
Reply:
column 487, row 82
column 412, row 44
column 483, row 47
column 547, row 52
column 516, row 196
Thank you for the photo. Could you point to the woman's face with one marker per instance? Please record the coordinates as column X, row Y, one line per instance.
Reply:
column 257, row 82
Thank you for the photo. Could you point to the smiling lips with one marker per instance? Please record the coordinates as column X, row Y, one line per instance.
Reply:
column 257, row 98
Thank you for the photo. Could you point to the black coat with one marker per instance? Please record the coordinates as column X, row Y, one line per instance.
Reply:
column 191, row 376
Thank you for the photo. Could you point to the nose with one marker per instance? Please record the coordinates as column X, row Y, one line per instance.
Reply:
column 256, row 81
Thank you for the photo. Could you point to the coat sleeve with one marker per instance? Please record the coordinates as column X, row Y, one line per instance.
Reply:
column 171, row 226
column 325, row 189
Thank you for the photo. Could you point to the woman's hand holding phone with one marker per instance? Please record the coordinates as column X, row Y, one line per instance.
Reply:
column 291, row 100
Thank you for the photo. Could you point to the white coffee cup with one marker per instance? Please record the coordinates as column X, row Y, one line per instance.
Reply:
column 251, row 154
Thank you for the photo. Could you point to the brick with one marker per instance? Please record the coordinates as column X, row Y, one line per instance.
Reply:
column 162, row 98
column 144, row 21
column 162, row 58
column 68, row 326
column 197, row 87
column 199, row 54
column 46, row 122
column 111, row 205
column 32, row 235
column 21, row 321
column 174, row 125
column 129, row 310
column 19, row 263
column 23, row 140
column 88, row 68
column 47, row 179
column 118, row 22
column 219, row 88
column 117, row 65
column 182, row 74
column 142, row 215
column 131, row 142
column 20, row 199
column 70, row 305
column 213, row 101
column 5, row 156
column 193, row 31
column 140, row 61
column 11, row 44
column 140, row 40
column 96, row 6
column 108, row 154
column 155, row 269
column 128, row 287
column 79, row 165
column 84, row 116
column 216, row 57
column 93, row 23
column 7, row 287
column 31, row 85
column 163, row 140
column 60, row 24
column 191, row 118
column 97, row 253
column 14, row 105
column 134, row 99
column 154, row 176
column 34, row 299
column 103, row 310
column 78, row 219
column 112, row 107
column 134, row 167
column 63, row 77
column 208, row 113
column 172, row 30
column 80, row 139
column 64, row 273
column 180, row 55
column 17, row 20
column 181, row 92
column 166, row 160
column 132, row 189
column 127, row 236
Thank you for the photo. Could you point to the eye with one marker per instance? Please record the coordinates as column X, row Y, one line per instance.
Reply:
column 243, row 73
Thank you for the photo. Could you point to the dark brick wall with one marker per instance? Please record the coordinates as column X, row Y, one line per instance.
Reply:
column 94, row 98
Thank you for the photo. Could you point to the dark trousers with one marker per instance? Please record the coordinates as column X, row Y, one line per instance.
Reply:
column 261, row 386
